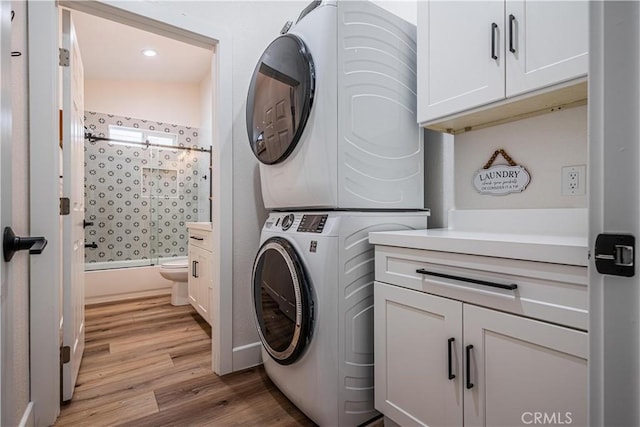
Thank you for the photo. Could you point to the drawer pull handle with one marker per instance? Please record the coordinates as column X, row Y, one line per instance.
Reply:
column 511, row 287
column 469, row 383
column 194, row 269
column 196, row 238
column 494, row 28
column 512, row 20
column 451, row 374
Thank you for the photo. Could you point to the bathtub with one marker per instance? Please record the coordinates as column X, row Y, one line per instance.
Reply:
column 104, row 283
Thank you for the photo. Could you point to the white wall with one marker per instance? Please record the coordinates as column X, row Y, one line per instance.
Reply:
column 541, row 144
column 177, row 103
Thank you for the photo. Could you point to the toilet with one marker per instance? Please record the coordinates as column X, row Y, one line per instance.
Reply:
column 178, row 273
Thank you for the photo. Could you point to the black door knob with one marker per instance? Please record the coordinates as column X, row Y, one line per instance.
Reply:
column 12, row 244
column 92, row 245
column 86, row 223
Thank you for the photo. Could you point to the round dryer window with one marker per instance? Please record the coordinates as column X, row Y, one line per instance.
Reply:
column 280, row 98
column 282, row 301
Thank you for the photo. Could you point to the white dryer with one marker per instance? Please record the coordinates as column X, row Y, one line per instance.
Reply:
column 331, row 112
column 313, row 303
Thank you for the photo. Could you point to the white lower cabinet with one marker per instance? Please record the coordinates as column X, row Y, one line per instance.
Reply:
column 200, row 278
column 522, row 370
column 440, row 361
column 412, row 333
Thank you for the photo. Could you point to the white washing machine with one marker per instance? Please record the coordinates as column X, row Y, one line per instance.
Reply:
column 313, row 303
column 331, row 112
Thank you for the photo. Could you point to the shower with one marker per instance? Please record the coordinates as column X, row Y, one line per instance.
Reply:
column 144, row 180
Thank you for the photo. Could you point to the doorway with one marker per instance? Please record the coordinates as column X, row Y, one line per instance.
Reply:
column 43, row 19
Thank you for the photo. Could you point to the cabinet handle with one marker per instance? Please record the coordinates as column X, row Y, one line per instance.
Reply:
column 195, row 269
column 494, row 28
column 451, row 375
column 196, row 238
column 512, row 20
column 511, row 287
column 468, row 350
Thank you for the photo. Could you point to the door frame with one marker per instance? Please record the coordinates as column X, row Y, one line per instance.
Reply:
column 614, row 207
column 44, row 128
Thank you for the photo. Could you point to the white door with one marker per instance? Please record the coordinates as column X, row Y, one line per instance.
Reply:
column 460, row 56
column 418, row 365
column 5, row 183
column 614, row 207
column 73, row 188
column 546, row 43
column 520, row 368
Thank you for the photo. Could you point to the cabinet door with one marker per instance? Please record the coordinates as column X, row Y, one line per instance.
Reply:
column 521, row 369
column 412, row 332
column 192, row 284
column 199, row 280
column 204, row 278
column 546, row 43
column 456, row 70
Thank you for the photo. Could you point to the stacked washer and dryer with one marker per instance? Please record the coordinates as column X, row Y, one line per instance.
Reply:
column 331, row 117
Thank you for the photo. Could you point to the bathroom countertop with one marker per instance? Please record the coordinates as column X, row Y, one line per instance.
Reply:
column 206, row 226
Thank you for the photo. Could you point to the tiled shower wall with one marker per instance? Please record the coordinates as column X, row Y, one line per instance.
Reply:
column 140, row 198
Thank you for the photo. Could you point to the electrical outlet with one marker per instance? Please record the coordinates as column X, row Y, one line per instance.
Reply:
column 574, row 180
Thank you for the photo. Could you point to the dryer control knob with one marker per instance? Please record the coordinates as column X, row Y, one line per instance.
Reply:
column 287, row 222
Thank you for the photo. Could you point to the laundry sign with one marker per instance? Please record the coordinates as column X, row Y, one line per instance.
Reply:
column 500, row 180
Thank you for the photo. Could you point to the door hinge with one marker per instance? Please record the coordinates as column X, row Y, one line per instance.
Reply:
column 615, row 254
column 65, row 206
column 63, row 55
column 65, row 354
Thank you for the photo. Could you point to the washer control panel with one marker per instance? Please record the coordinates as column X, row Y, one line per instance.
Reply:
column 312, row 223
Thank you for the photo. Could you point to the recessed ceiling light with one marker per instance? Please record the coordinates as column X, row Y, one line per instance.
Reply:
column 149, row 52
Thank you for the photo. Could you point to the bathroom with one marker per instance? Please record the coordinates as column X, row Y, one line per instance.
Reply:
column 139, row 197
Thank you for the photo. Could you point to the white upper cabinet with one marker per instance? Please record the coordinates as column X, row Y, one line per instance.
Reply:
column 547, row 43
column 458, row 67
column 475, row 53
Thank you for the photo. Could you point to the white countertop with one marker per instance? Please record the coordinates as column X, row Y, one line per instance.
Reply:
column 570, row 250
column 200, row 226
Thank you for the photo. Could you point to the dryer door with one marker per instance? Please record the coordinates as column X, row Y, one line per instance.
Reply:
column 282, row 301
column 280, row 98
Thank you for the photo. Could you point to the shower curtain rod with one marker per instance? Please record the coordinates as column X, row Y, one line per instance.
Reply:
column 91, row 138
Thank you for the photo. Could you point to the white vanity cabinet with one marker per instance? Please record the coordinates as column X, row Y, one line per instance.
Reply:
column 475, row 53
column 453, row 349
column 200, row 275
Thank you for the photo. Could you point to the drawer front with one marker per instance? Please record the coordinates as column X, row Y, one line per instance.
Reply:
column 201, row 239
column 550, row 292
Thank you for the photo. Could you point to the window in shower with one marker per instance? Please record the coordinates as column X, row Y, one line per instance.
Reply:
column 141, row 135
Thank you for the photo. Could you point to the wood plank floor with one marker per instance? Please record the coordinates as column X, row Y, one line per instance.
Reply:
column 148, row 363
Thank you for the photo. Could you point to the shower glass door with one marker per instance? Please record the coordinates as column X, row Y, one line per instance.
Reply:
column 141, row 189
column 117, row 205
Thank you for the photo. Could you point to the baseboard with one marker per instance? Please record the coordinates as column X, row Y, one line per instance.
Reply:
column 247, row 356
column 126, row 296
column 27, row 418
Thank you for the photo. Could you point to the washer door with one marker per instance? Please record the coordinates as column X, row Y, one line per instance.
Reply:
column 280, row 98
column 282, row 301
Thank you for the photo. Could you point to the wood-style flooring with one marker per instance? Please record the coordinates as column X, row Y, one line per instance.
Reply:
column 148, row 363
